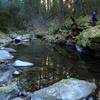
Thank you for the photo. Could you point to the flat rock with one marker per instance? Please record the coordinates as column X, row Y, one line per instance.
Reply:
column 5, row 55
column 66, row 89
column 10, row 50
column 22, row 63
column 18, row 98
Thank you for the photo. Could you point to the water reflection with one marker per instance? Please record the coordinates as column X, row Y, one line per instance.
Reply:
column 53, row 63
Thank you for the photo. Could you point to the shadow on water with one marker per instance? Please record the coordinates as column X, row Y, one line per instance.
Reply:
column 53, row 63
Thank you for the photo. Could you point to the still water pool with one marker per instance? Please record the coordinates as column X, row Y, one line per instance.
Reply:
column 53, row 63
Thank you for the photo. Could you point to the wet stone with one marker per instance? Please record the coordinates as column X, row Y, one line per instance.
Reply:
column 67, row 89
column 18, row 98
column 5, row 55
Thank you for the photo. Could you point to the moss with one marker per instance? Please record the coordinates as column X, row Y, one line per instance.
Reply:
column 84, row 21
column 65, row 81
column 90, row 37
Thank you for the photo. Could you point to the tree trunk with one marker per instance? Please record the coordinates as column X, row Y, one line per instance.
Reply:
column 61, row 11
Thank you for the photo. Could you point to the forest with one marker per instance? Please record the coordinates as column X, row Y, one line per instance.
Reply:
column 49, row 49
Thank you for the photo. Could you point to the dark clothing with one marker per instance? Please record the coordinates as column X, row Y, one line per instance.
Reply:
column 94, row 19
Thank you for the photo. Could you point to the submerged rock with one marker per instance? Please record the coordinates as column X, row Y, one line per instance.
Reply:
column 5, row 77
column 66, row 89
column 9, row 88
column 5, row 55
column 4, row 96
column 22, row 63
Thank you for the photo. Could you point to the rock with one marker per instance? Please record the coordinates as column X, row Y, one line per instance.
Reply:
column 16, row 73
column 21, row 39
column 4, row 96
column 2, row 62
column 37, row 98
column 4, row 39
column 90, row 38
column 18, row 98
column 26, row 37
column 5, row 77
column 10, row 50
column 66, row 89
column 5, row 55
column 9, row 88
column 78, row 48
column 22, row 63
column 13, row 35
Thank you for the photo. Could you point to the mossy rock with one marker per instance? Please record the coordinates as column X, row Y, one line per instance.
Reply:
column 90, row 38
column 9, row 88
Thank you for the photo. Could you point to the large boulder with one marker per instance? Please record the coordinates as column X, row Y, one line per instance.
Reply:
column 5, row 55
column 66, row 89
column 90, row 38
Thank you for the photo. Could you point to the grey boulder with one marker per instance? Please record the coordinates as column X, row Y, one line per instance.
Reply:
column 5, row 55
column 66, row 89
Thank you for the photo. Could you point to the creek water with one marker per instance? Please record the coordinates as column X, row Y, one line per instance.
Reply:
column 53, row 63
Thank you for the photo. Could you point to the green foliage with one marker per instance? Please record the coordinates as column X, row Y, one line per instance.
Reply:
column 4, row 20
column 17, row 19
column 89, row 38
column 65, row 81
column 84, row 21
column 10, row 18
column 53, row 25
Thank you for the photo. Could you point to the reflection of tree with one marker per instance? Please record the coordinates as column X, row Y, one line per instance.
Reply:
column 93, row 65
column 41, row 77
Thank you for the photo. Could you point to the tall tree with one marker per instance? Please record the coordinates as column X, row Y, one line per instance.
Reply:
column 61, row 10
